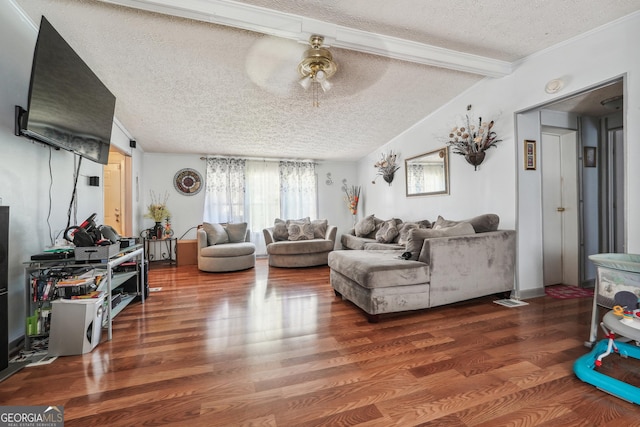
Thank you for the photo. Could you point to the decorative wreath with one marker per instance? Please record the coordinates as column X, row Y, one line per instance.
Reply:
column 187, row 181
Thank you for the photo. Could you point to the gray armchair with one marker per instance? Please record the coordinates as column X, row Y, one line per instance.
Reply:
column 217, row 255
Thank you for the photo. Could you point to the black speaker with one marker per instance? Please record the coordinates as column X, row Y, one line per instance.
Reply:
column 4, row 287
column 132, row 143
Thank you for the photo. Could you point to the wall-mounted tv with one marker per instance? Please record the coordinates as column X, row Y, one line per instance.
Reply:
column 69, row 107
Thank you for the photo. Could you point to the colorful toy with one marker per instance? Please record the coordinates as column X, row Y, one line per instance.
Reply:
column 624, row 321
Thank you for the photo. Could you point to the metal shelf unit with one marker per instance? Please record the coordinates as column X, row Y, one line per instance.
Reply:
column 110, row 283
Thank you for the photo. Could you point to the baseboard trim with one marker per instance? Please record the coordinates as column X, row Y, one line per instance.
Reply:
column 528, row 293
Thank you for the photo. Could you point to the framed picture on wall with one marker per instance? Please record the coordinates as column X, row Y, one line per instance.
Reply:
column 529, row 155
column 589, row 157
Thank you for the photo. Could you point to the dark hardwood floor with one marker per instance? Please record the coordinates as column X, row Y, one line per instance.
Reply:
column 275, row 347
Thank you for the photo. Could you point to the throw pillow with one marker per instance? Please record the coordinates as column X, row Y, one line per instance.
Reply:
column 443, row 223
column 280, row 231
column 365, row 226
column 306, row 219
column 403, row 231
column 237, row 232
column 299, row 230
column 484, row 223
column 480, row 223
column 419, row 235
column 319, row 228
column 216, row 234
column 387, row 232
column 425, row 223
column 406, row 227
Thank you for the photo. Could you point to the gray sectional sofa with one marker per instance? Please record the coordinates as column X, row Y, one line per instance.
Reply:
column 456, row 261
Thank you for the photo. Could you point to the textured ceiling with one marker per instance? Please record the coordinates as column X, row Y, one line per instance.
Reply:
column 187, row 86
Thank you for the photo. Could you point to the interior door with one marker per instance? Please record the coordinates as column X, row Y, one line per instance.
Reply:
column 113, row 206
column 560, row 214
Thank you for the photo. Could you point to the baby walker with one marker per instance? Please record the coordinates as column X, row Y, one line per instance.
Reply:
column 623, row 320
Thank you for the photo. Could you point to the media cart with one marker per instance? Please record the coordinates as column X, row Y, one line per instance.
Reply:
column 52, row 270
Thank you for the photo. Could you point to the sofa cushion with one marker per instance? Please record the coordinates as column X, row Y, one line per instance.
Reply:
column 299, row 230
column 350, row 241
column 280, row 231
column 289, row 221
column 319, row 228
column 388, row 231
column 378, row 269
column 417, row 236
column 481, row 223
column 237, row 232
column 404, row 228
column 228, row 250
column 299, row 247
column 376, row 246
column 216, row 233
column 365, row 226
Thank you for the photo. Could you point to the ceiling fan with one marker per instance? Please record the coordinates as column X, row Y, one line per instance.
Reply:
column 317, row 65
column 274, row 64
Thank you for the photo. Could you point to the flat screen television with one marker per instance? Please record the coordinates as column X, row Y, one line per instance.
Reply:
column 69, row 107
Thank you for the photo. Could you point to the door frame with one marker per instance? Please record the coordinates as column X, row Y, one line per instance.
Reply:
column 125, row 190
column 528, row 123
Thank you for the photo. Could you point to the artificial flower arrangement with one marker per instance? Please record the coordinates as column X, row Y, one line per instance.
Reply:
column 157, row 210
column 386, row 166
column 472, row 141
column 352, row 196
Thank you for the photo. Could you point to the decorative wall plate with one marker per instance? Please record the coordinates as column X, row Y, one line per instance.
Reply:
column 187, row 181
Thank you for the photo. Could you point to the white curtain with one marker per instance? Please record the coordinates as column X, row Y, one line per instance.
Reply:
column 262, row 197
column 258, row 192
column 225, row 190
column 298, row 190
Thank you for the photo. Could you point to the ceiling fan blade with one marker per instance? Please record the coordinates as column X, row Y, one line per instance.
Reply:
column 271, row 64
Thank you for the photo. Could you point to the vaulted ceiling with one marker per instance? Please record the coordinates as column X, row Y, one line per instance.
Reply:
column 219, row 77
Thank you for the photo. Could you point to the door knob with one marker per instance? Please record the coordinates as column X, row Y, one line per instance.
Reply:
column 560, row 209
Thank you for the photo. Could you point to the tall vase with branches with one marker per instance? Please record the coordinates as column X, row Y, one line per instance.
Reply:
column 352, row 197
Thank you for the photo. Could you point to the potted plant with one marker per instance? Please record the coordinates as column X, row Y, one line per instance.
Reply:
column 157, row 211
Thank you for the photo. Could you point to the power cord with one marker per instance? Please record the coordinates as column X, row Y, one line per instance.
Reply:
column 51, row 238
column 73, row 194
column 185, row 233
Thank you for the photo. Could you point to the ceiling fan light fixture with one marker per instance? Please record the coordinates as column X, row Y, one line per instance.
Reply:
column 325, row 84
column 613, row 103
column 305, row 82
column 317, row 65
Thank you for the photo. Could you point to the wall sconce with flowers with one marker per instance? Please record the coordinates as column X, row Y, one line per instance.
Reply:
column 472, row 141
column 387, row 167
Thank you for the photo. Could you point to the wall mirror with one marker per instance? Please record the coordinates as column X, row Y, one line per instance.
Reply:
column 428, row 173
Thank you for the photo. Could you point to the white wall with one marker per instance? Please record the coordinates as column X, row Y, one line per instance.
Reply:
column 501, row 185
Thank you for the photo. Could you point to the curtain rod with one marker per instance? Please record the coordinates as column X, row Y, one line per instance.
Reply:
column 263, row 159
